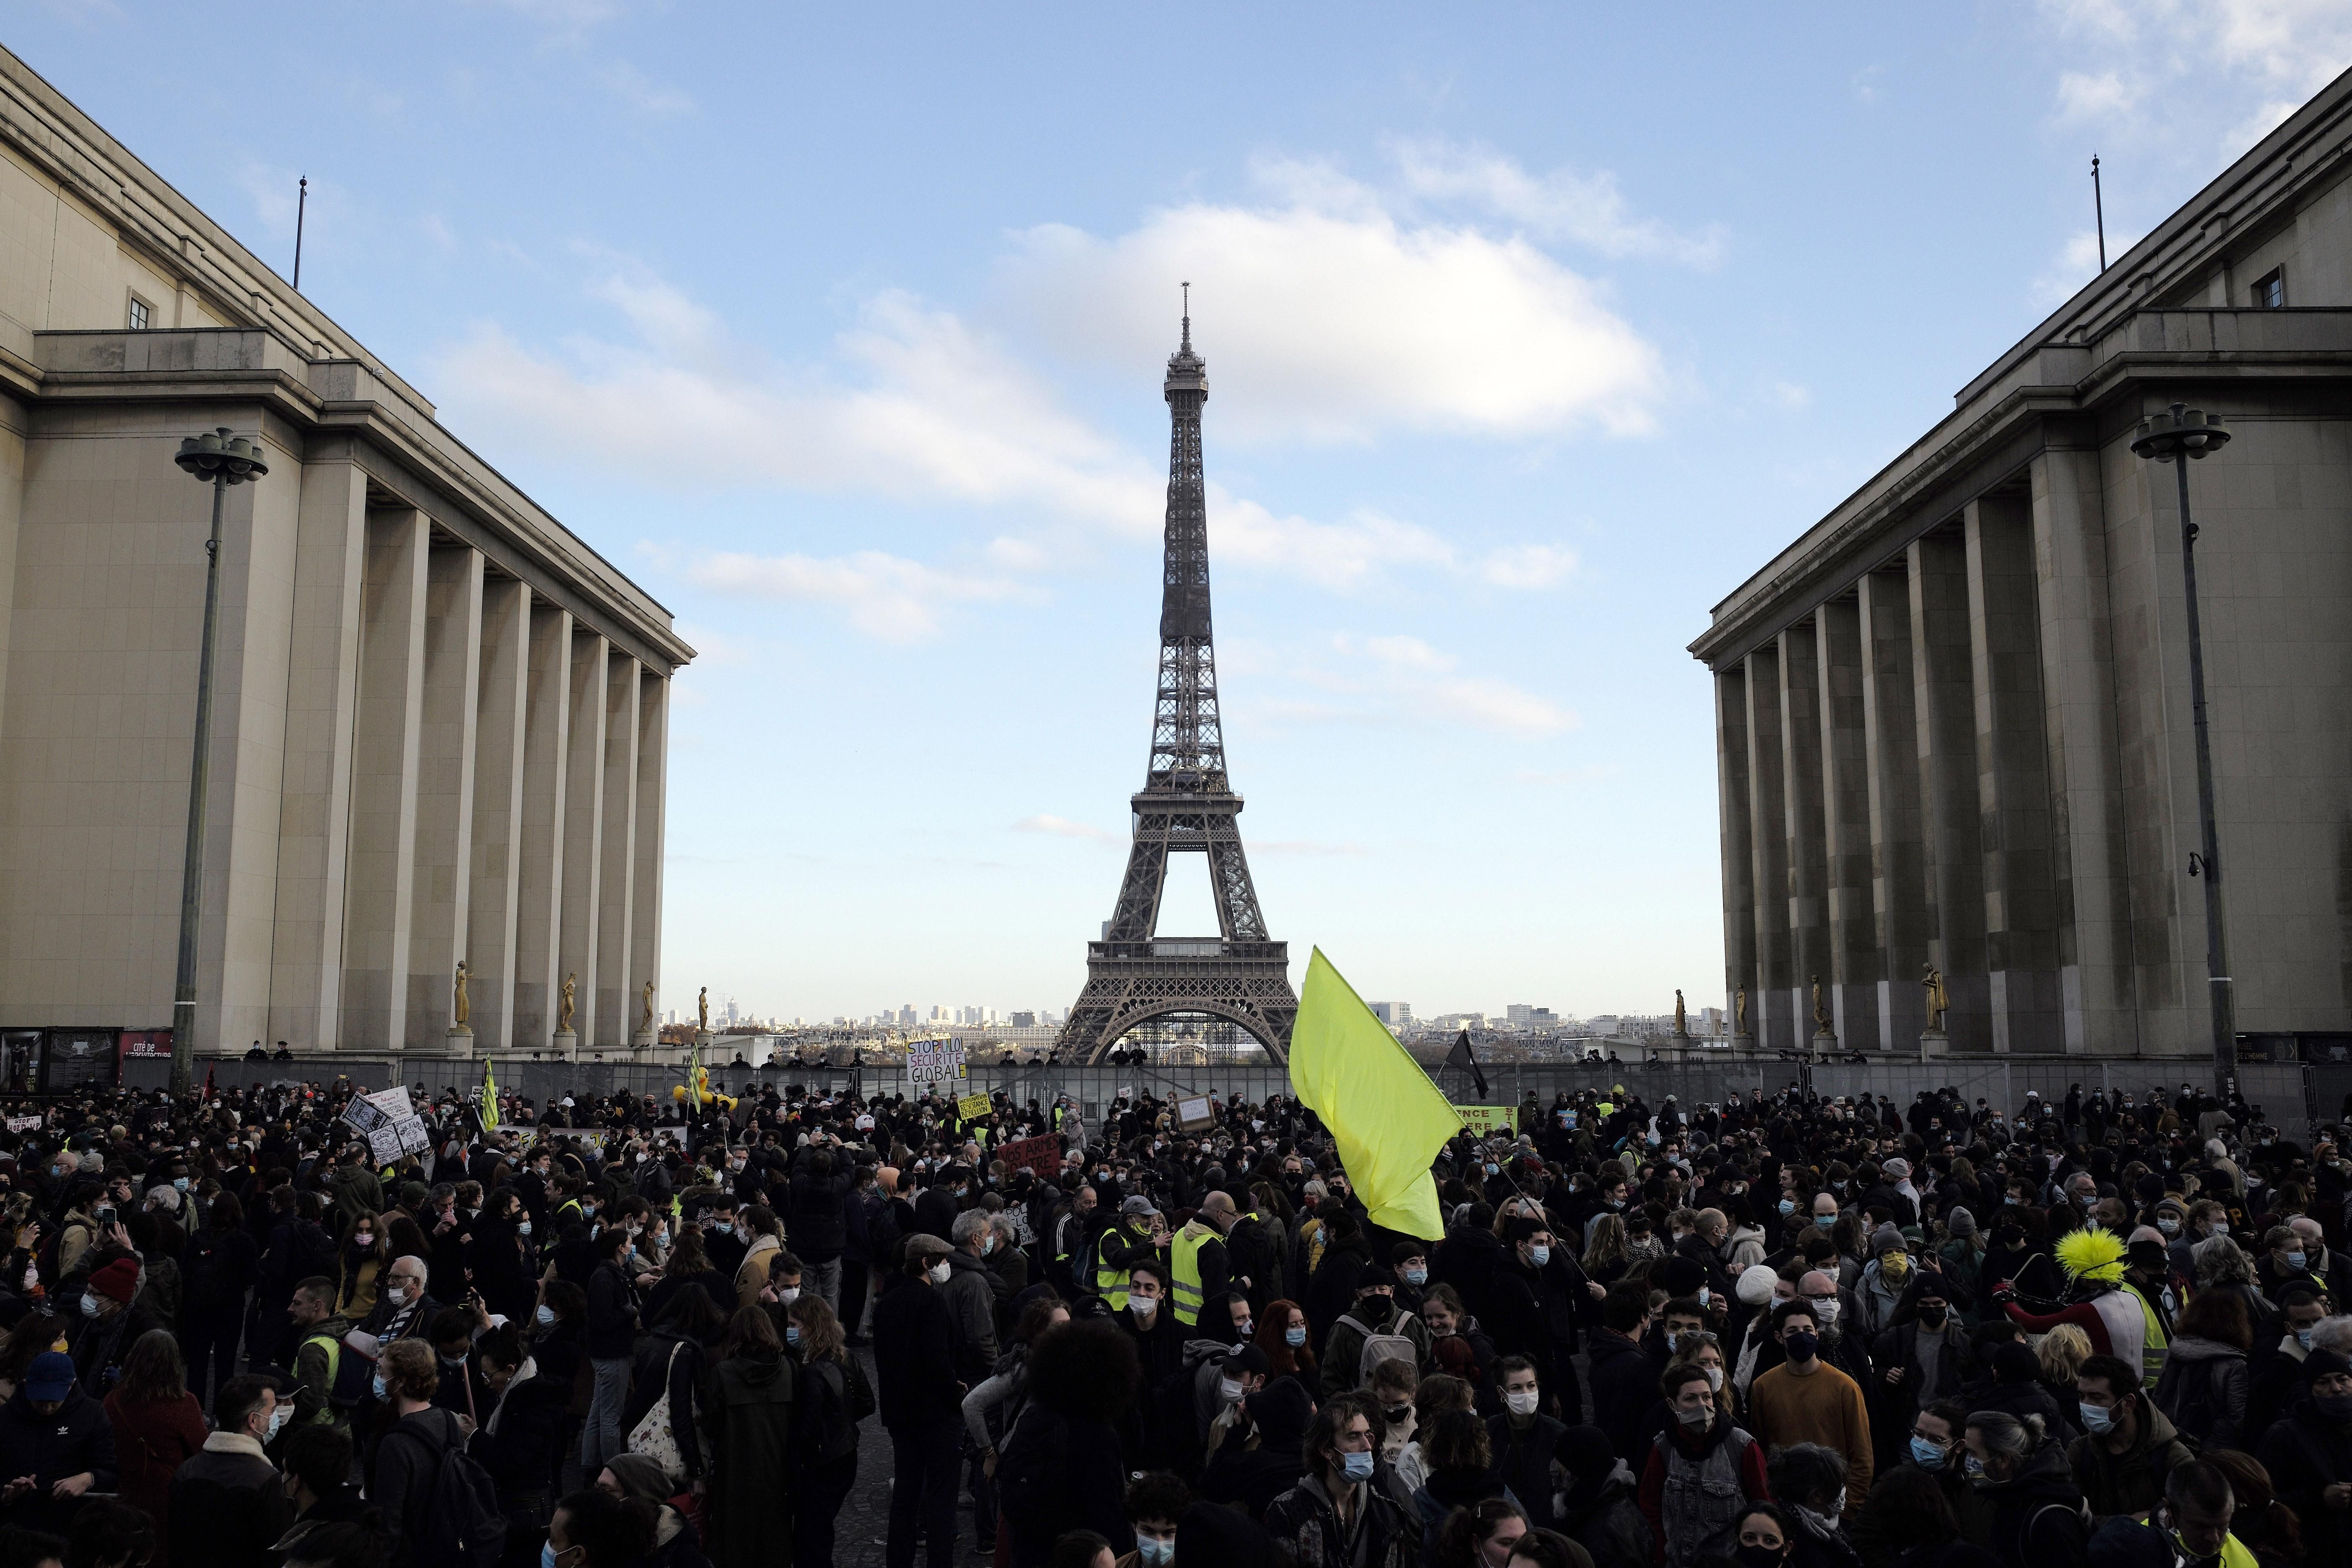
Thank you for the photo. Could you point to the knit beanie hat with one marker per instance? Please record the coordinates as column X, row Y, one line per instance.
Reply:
column 118, row 1281
column 1587, row 1453
column 1885, row 1238
column 1756, row 1282
column 1960, row 1223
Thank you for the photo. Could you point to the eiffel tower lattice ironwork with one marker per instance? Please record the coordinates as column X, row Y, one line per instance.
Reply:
column 1186, row 806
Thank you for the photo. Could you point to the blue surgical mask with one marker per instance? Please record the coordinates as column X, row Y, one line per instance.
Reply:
column 2096, row 1418
column 792, row 1333
column 381, row 1391
column 724, row 1226
column 2302, row 1338
column 88, row 1306
column 1155, row 1552
column 181, row 1183
column 1975, row 1468
column 1294, row 1337
column 545, row 1315
column 2298, row 1260
column 1357, row 1466
column 1927, row 1455
column 1416, row 1275
column 1539, row 1256
column 1788, row 1205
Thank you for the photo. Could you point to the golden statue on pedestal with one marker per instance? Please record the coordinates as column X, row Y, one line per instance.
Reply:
column 564, row 1010
column 460, row 1006
column 1939, row 1001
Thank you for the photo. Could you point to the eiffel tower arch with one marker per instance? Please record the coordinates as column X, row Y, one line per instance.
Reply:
column 1187, row 806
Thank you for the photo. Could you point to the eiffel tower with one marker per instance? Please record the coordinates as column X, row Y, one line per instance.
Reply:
column 1186, row 805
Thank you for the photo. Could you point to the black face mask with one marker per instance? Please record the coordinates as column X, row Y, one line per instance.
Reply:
column 1760, row 1556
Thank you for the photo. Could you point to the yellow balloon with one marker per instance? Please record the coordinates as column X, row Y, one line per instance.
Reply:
column 678, row 1092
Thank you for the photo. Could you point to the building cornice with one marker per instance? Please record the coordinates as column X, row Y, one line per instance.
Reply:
column 2082, row 352
column 312, row 353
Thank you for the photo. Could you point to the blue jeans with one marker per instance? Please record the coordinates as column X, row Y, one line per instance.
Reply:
column 601, row 1438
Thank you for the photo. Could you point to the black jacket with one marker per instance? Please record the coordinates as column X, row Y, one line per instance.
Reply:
column 672, row 1360
column 2037, row 1515
column 1523, row 1463
column 407, row 1461
column 49, row 1448
column 525, row 1453
column 229, row 1509
column 2306, row 1454
column 612, row 1313
column 813, row 1213
column 913, row 1355
column 1625, row 1384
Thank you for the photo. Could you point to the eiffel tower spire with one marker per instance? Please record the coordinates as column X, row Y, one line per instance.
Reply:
column 1186, row 805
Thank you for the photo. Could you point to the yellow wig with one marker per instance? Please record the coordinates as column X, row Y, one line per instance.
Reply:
column 2091, row 1255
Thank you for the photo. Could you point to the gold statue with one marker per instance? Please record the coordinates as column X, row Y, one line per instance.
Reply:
column 1680, row 1026
column 702, row 1010
column 646, row 999
column 460, row 1007
column 564, row 1013
column 1939, row 1001
column 1820, row 1010
column 1739, row 1010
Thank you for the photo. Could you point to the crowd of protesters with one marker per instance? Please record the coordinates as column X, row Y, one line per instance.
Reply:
column 609, row 1333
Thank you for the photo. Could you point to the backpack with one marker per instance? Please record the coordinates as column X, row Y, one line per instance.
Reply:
column 350, row 1379
column 1033, row 1467
column 881, row 1231
column 460, row 1525
column 1390, row 1346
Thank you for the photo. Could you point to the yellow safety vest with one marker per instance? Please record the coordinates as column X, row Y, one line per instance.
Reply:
column 1184, row 1260
column 2155, row 1347
column 1110, row 1283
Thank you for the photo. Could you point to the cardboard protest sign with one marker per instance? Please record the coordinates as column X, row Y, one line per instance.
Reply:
column 1194, row 1113
column 1488, row 1121
column 1041, row 1154
column 973, row 1105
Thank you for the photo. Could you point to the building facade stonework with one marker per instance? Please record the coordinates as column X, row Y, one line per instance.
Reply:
column 440, row 720
column 1952, row 720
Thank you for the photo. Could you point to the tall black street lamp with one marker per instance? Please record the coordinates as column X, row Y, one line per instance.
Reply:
column 2179, row 434
column 224, row 459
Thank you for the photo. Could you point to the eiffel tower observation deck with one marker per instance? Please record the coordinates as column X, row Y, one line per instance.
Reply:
column 1142, row 986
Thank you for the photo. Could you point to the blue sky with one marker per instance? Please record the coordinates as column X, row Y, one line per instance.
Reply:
column 1531, row 331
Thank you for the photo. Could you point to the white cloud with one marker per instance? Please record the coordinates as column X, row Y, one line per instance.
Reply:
column 1062, row 826
column 1407, row 674
column 886, row 596
column 2076, row 264
column 2233, row 68
column 642, row 93
column 1791, row 396
column 1585, row 209
column 1328, row 313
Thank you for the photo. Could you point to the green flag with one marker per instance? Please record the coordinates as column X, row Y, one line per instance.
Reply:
column 1387, row 1118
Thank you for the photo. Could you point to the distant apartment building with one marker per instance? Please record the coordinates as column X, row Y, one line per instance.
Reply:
column 1395, row 1015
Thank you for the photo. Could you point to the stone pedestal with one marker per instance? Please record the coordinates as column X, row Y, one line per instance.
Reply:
column 1743, row 1042
column 566, row 1043
column 643, row 1040
column 1825, row 1040
column 458, row 1041
column 1934, row 1043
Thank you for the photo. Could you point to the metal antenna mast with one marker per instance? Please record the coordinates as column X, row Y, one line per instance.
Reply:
column 2099, row 209
column 302, row 208
column 1186, row 804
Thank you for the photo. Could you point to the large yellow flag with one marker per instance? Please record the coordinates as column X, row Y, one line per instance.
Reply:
column 489, row 1097
column 1380, row 1108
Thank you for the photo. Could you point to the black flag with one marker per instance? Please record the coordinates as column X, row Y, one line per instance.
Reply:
column 1461, row 1056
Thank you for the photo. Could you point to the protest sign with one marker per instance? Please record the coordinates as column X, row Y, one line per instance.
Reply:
column 366, row 1115
column 383, row 1145
column 972, row 1106
column 1041, row 1154
column 1194, row 1113
column 1488, row 1120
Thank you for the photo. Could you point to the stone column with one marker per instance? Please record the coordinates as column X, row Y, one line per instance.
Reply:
column 1768, row 810
column 1855, row 971
column 2088, row 853
column 615, row 950
column 1944, row 685
column 646, row 886
column 445, row 793
column 583, row 826
column 2013, row 777
column 539, row 857
column 1808, row 891
column 380, row 892
column 501, row 707
column 1732, row 799
column 1898, row 854
column 314, row 820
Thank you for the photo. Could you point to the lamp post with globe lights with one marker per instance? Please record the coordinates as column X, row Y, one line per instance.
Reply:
column 221, row 458
column 2180, row 435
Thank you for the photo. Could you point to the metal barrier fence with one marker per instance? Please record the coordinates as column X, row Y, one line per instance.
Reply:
column 2289, row 1093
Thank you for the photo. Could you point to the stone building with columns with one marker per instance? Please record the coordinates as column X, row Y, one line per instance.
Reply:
column 440, row 719
column 1952, row 717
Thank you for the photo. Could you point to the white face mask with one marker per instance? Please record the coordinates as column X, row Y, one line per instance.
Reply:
column 1520, row 1401
column 1232, row 1390
column 1144, row 1306
column 938, row 1273
column 791, row 1293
